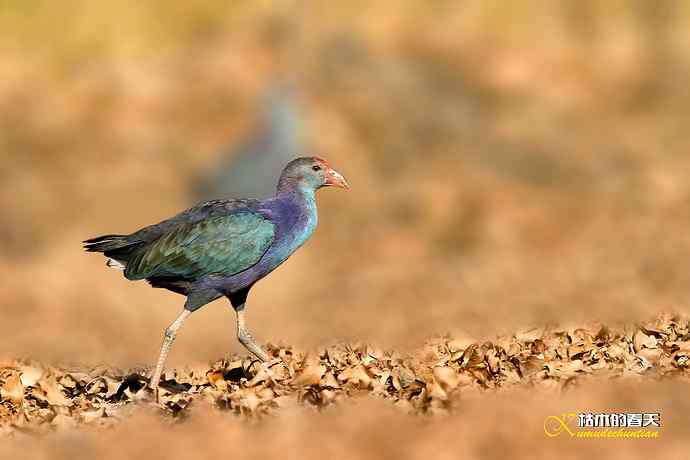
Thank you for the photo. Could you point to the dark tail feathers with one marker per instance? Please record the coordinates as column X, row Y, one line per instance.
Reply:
column 109, row 244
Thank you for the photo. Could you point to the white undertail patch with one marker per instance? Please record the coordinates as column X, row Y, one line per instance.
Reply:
column 112, row 263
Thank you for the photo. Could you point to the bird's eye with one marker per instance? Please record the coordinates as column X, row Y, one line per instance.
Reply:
column 316, row 168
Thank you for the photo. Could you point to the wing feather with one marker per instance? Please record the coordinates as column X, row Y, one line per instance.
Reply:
column 219, row 245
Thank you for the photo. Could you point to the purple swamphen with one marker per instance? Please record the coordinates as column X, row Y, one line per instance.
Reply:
column 222, row 247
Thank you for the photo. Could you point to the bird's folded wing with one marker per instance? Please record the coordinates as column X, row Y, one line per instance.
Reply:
column 221, row 245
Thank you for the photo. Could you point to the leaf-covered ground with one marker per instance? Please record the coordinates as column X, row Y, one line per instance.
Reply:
column 432, row 380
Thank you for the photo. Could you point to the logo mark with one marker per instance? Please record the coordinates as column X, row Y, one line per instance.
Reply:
column 604, row 425
column 554, row 425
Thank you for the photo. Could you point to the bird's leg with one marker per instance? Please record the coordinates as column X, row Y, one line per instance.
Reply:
column 168, row 339
column 246, row 338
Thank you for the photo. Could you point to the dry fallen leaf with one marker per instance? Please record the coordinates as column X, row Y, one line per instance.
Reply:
column 357, row 375
column 651, row 355
column 30, row 375
column 311, row 373
column 642, row 340
column 217, row 380
column 53, row 392
column 428, row 380
column 13, row 389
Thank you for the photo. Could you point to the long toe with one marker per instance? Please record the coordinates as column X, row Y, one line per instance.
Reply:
column 261, row 354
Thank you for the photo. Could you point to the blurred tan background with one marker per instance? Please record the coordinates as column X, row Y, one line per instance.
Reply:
column 512, row 164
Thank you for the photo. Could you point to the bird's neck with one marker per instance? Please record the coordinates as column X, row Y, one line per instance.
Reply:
column 298, row 216
column 302, row 201
column 295, row 191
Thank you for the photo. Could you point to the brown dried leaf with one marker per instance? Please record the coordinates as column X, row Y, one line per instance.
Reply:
column 53, row 392
column 531, row 366
column 472, row 356
column 279, row 371
column 357, row 375
column 642, row 340
column 30, row 375
column 13, row 389
column 310, row 374
column 406, row 376
column 564, row 369
column 493, row 360
column 329, row 381
column 217, row 380
column 652, row 355
column 262, row 375
column 579, row 348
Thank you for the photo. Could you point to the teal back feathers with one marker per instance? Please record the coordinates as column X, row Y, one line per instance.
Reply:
column 223, row 245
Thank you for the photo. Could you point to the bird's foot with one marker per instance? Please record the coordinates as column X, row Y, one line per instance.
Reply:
column 259, row 352
column 248, row 341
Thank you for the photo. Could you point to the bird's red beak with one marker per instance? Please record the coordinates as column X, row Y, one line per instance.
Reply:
column 333, row 177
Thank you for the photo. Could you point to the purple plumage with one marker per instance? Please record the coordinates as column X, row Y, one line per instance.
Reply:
column 222, row 247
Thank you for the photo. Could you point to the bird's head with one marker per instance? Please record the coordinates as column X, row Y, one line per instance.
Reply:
column 310, row 173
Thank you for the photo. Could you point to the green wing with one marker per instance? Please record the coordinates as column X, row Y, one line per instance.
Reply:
column 222, row 245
